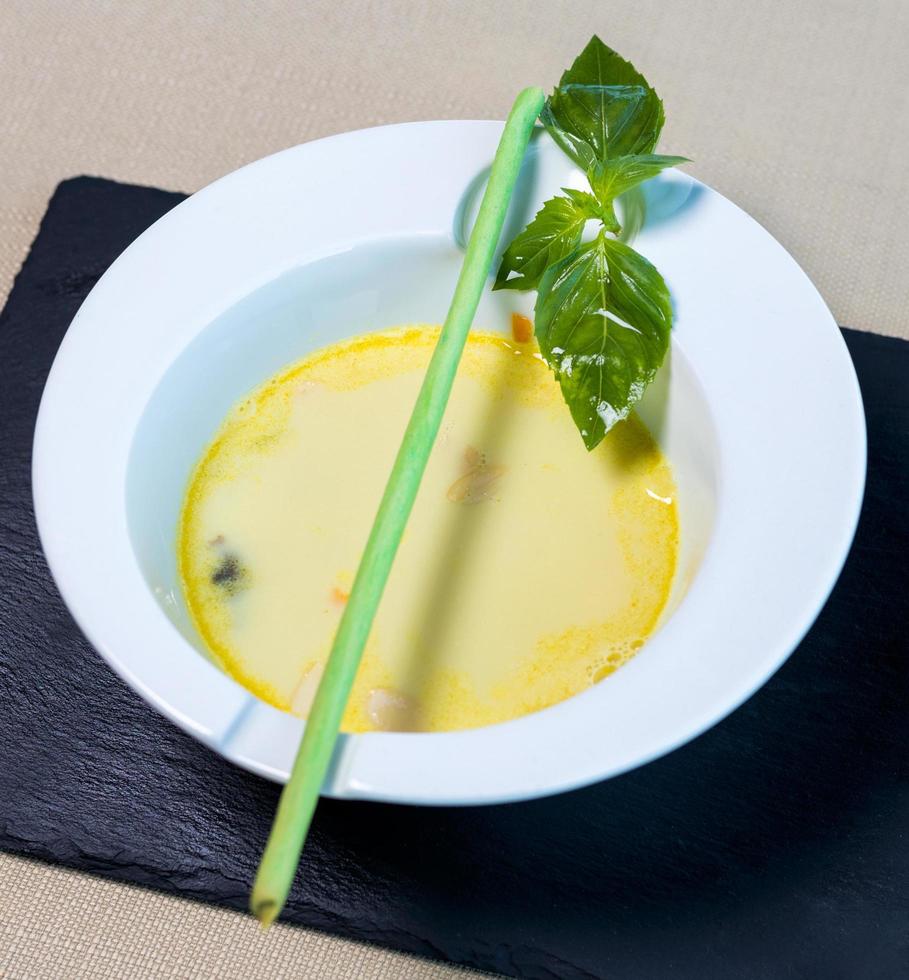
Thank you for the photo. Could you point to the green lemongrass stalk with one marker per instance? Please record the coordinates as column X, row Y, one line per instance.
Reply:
column 300, row 795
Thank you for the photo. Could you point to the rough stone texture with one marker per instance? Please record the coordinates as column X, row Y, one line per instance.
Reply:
column 772, row 845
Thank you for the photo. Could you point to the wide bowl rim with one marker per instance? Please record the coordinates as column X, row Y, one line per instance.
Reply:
column 490, row 764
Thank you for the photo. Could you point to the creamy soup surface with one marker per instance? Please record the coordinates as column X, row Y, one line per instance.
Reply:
column 530, row 569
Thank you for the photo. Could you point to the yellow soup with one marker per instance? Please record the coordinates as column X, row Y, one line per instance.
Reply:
column 530, row 568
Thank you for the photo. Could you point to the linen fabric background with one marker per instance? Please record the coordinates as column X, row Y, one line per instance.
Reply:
column 795, row 110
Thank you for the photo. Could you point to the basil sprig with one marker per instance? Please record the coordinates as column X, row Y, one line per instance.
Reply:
column 603, row 312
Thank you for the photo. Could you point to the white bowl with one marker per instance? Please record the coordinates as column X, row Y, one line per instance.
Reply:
column 759, row 412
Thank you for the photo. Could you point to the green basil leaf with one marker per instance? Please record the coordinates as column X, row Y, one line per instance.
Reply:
column 554, row 232
column 612, row 177
column 603, row 317
column 634, row 214
column 584, row 200
column 603, row 107
column 571, row 145
column 594, row 208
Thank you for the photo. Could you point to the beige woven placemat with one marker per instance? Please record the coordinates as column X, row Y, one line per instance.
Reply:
column 796, row 110
column 56, row 923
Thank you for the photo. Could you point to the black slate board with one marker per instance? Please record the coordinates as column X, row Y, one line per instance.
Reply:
column 774, row 845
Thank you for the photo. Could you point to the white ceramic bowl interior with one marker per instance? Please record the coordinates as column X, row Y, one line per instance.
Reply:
column 366, row 288
column 758, row 410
